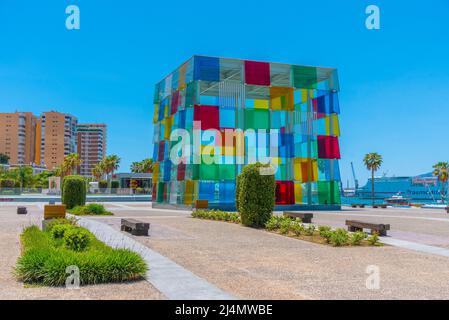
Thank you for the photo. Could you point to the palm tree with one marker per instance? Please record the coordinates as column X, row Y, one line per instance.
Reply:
column 110, row 163
column 23, row 174
column 136, row 167
column 97, row 171
column 372, row 162
column 147, row 166
column 441, row 171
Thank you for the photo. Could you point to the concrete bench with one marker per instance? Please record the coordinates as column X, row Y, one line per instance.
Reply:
column 354, row 226
column 135, row 227
column 53, row 211
column 305, row 217
column 22, row 210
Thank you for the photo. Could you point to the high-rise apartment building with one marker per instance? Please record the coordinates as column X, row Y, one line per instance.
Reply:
column 91, row 146
column 55, row 138
column 17, row 137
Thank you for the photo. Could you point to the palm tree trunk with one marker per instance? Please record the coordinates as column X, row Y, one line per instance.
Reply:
column 443, row 195
column 110, row 182
column 372, row 185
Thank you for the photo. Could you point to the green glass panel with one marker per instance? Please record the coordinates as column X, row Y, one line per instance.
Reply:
column 160, row 192
column 190, row 94
column 209, row 172
column 226, row 172
column 304, row 77
column 257, row 119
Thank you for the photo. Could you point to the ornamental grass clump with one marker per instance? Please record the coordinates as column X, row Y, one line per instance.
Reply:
column 45, row 259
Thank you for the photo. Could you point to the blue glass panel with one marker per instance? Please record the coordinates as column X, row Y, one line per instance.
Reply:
column 227, row 118
column 167, row 170
column 227, row 191
column 206, row 68
column 206, row 191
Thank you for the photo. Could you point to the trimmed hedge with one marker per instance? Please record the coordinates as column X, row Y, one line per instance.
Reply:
column 256, row 195
column 74, row 191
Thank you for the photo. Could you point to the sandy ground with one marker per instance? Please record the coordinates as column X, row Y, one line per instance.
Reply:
column 11, row 226
column 255, row 264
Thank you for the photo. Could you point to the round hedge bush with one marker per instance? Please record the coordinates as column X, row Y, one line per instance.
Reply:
column 58, row 230
column 74, row 191
column 256, row 195
column 76, row 239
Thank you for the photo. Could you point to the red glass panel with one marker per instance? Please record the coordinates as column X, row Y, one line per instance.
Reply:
column 174, row 102
column 208, row 115
column 328, row 147
column 161, row 150
column 257, row 73
column 285, row 192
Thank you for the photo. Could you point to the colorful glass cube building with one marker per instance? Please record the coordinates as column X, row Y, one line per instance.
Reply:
column 273, row 112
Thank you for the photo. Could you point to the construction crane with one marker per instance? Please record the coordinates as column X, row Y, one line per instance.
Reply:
column 356, row 182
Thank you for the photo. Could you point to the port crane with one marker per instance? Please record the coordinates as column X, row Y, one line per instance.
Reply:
column 356, row 182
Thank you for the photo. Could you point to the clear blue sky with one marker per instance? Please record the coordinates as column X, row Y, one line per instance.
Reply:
column 394, row 82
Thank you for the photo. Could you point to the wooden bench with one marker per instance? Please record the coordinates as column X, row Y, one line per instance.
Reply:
column 201, row 204
column 135, row 227
column 54, row 211
column 360, row 225
column 22, row 210
column 305, row 217
column 383, row 206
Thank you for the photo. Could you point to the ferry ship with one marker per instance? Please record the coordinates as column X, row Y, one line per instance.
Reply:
column 422, row 188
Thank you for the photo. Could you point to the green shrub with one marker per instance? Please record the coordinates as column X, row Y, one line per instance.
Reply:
column 339, row 237
column 284, row 226
column 76, row 238
column 7, row 183
column 309, row 230
column 60, row 221
column 325, row 232
column 90, row 209
column 374, row 239
column 115, row 184
column 44, row 262
column 74, row 191
column 102, row 185
column 256, row 195
column 273, row 223
column 58, row 230
column 216, row 215
column 357, row 238
column 297, row 228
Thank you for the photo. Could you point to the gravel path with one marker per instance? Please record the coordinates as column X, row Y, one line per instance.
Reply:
column 11, row 226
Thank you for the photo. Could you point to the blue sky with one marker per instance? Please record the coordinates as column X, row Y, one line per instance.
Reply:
column 394, row 81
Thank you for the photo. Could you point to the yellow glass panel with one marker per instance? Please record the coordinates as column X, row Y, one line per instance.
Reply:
column 156, row 112
column 189, row 192
column 168, row 122
column 298, row 193
column 261, row 104
column 301, row 167
column 156, row 167
column 281, row 98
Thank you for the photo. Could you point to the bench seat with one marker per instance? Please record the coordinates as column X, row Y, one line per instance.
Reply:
column 354, row 225
column 135, row 227
column 305, row 217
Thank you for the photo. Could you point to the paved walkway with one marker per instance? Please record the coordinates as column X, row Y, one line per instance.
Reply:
column 11, row 225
